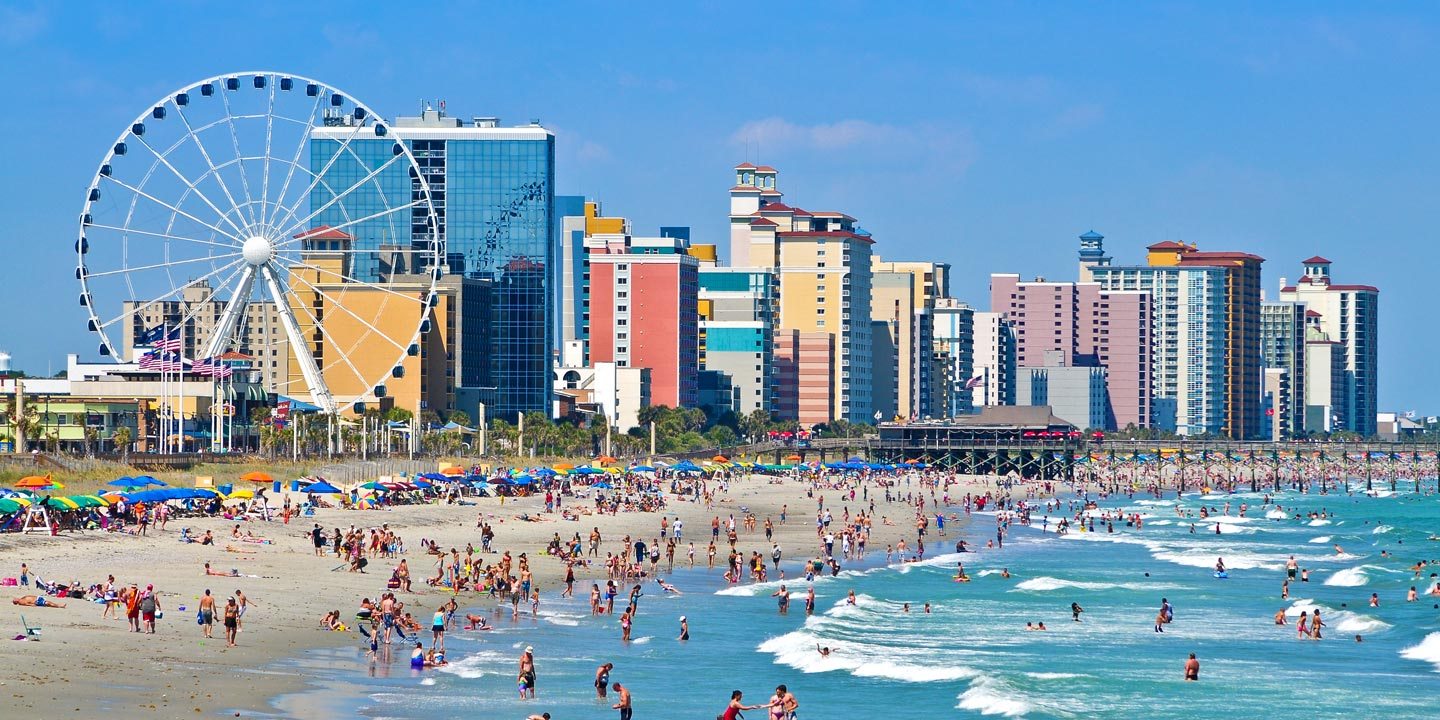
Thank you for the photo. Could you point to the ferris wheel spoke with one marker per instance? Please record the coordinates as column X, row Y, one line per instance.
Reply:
column 334, row 303
column 205, row 154
column 344, row 353
column 235, row 141
column 304, row 195
column 265, row 164
column 346, row 278
column 168, row 206
column 163, row 297
column 351, row 189
column 168, row 236
column 193, row 187
column 159, row 266
column 302, row 235
column 295, row 161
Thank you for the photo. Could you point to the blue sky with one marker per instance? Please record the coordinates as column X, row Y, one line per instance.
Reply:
column 985, row 135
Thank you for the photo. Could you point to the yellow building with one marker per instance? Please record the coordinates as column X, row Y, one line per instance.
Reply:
column 359, row 333
column 823, row 263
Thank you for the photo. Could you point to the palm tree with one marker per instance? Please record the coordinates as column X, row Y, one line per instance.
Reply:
column 121, row 439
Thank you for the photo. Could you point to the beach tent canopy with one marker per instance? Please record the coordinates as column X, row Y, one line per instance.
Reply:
column 298, row 405
column 642, row 468
column 322, row 487
column 685, row 466
column 454, row 426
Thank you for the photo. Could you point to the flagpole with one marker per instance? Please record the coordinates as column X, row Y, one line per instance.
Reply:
column 180, row 392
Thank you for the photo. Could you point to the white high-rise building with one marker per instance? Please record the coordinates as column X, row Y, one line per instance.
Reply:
column 955, row 354
column 1348, row 315
column 994, row 360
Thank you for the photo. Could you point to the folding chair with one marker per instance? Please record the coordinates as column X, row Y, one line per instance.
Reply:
column 31, row 632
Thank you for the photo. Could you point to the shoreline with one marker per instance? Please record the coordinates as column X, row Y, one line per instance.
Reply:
column 176, row 673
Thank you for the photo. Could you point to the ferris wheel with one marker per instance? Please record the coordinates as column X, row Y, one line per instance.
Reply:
column 263, row 210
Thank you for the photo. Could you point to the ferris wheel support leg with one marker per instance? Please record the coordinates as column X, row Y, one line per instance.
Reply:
column 230, row 318
column 319, row 392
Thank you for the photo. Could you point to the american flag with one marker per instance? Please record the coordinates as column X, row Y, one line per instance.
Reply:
column 172, row 362
column 972, row 382
column 171, row 341
column 150, row 361
column 205, row 367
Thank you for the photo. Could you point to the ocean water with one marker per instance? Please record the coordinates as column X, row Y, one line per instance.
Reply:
column 971, row 655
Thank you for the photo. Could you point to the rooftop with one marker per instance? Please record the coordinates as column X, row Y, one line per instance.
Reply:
column 1317, row 260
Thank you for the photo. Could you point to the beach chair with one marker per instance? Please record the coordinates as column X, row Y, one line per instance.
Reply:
column 307, row 510
column 31, row 632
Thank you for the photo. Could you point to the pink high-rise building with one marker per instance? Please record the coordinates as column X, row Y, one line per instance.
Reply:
column 1083, row 326
column 804, row 364
column 643, row 311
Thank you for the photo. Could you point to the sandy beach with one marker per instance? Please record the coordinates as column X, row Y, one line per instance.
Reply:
column 88, row 664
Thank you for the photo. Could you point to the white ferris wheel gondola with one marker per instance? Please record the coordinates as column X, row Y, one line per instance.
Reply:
column 218, row 199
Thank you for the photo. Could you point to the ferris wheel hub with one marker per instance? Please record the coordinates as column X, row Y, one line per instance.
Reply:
column 258, row 250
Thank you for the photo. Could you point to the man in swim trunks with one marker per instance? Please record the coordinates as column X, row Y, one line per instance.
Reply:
column 624, row 705
column 36, row 601
column 1192, row 669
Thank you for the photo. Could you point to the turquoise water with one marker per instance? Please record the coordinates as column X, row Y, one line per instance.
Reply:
column 972, row 656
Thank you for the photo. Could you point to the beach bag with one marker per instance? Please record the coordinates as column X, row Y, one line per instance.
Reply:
column 199, row 617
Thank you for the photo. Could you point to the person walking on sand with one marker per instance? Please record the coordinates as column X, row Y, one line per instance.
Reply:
column 232, row 621
column 207, row 613
column 624, row 706
column 1192, row 669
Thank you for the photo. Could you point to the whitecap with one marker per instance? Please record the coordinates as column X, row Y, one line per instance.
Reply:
column 1053, row 675
column 1381, row 529
column 1349, row 577
column 643, row 640
column 1317, row 522
column 1320, row 540
column 1276, row 514
column 988, row 697
column 1045, row 584
column 428, row 681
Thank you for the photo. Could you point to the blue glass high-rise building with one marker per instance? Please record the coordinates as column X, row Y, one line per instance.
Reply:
column 493, row 192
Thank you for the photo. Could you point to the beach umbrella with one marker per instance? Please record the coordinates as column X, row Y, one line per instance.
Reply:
column 373, row 486
column 605, row 459
column 602, row 485
column 322, row 487
column 122, row 481
column 146, row 480
column 642, row 468
column 243, row 494
column 720, row 459
column 453, row 470
column 564, row 466
column 13, row 504
column 912, row 461
column 686, row 466
column 794, row 458
column 435, row 476
column 38, row 482
column 257, row 476
column 523, row 480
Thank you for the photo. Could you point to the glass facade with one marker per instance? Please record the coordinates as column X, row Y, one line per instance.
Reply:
column 493, row 192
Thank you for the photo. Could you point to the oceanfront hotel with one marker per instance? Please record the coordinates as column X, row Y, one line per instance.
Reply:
column 547, row 304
